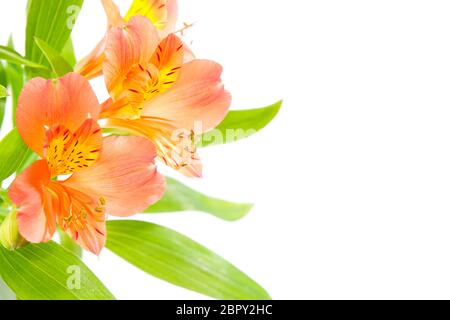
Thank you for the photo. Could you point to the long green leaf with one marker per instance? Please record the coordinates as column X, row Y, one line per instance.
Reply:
column 68, row 53
column 52, row 21
column 5, row 292
column 12, row 56
column 3, row 92
column 28, row 159
column 179, row 260
column 179, row 197
column 4, row 83
column 67, row 242
column 59, row 65
column 240, row 124
column 16, row 79
column 49, row 272
column 13, row 152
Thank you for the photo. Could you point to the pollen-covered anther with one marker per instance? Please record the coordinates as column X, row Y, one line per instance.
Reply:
column 76, row 219
column 100, row 209
column 186, row 26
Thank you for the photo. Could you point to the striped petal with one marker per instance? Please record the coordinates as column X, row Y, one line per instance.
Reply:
column 43, row 104
column 126, row 48
column 197, row 101
column 125, row 176
column 35, row 217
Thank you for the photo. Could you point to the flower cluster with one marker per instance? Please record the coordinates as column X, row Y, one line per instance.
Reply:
column 158, row 92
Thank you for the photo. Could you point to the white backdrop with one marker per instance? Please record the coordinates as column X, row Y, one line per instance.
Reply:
column 351, row 181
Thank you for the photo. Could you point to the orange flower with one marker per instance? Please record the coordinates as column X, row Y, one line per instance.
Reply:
column 161, row 13
column 115, row 175
column 156, row 94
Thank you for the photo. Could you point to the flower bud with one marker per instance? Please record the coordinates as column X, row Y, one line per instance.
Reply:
column 10, row 237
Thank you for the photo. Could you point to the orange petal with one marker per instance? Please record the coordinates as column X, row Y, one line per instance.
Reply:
column 67, row 152
column 125, row 176
column 80, row 215
column 126, row 48
column 188, row 54
column 35, row 217
column 197, row 101
column 175, row 147
column 172, row 17
column 113, row 13
column 168, row 59
column 43, row 104
column 91, row 66
column 145, row 81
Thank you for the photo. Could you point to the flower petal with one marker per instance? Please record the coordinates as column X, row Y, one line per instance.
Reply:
column 154, row 10
column 168, row 58
column 175, row 147
column 126, row 48
column 67, row 152
column 113, row 13
column 197, row 101
column 172, row 17
column 35, row 217
column 125, row 176
column 81, row 216
column 68, row 101
column 91, row 66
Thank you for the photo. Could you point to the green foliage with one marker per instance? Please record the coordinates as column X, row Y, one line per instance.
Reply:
column 3, row 92
column 3, row 85
column 240, row 124
column 68, row 53
column 13, row 152
column 12, row 56
column 58, row 64
column 16, row 79
column 179, row 197
column 47, row 271
column 67, row 242
column 52, row 21
column 179, row 260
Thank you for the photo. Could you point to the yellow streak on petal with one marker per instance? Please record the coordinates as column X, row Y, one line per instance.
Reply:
column 154, row 10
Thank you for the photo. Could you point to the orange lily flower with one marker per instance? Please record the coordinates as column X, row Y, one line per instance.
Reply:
column 115, row 175
column 161, row 13
column 156, row 94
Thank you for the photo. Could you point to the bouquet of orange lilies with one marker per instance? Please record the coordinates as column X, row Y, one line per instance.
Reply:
column 71, row 161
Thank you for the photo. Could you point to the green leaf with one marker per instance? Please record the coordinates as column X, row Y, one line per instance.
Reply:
column 3, row 84
column 28, row 159
column 57, row 62
column 68, row 53
column 16, row 79
column 179, row 197
column 179, row 260
column 67, row 242
column 47, row 271
column 52, row 21
column 12, row 56
column 13, row 152
column 5, row 292
column 240, row 124
column 3, row 92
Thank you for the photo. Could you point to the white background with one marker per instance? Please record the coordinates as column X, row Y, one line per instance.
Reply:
column 351, row 181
